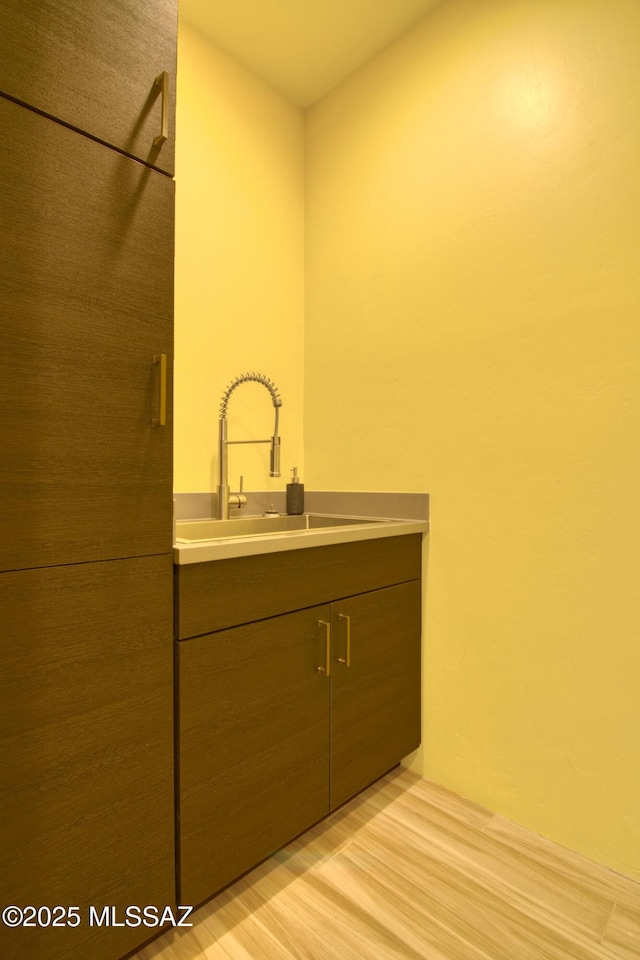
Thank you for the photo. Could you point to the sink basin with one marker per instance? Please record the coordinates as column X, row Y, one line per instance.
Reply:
column 192, row 531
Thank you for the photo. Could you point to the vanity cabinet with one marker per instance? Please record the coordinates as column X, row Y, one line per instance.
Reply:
column 280, row 719
column 94, row 66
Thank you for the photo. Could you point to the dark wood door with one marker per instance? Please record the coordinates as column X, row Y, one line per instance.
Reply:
column 86, row 301
column 93, row 66
column 86, row 792
column 253, row 745
column 375, row 697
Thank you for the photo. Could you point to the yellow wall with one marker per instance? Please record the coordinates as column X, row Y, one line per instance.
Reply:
column 472, row 330
column 239, row 266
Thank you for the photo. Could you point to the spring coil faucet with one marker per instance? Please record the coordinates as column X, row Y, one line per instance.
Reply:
column 224, row 498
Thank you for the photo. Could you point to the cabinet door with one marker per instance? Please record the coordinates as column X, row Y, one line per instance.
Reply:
column 93, row 66
column 375, row 685
column 253, row 745
column 86, row 301
column 86, row 793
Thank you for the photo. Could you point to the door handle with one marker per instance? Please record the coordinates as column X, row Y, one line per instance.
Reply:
column 346, row 660
column 327, row 627
column 161, row 419
column 162, row 81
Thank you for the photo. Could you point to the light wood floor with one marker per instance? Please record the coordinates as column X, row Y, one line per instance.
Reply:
column 408, row 870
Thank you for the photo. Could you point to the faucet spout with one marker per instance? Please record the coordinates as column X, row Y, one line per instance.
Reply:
column 223, row 441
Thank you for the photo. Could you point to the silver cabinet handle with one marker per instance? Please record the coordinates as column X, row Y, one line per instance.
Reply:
column 161, row 419
column 162, row 81
column 346, row 660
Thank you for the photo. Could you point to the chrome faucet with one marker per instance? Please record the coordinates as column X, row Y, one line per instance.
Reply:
column 225, row 499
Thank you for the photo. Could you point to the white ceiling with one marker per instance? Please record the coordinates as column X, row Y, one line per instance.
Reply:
column 303, row 48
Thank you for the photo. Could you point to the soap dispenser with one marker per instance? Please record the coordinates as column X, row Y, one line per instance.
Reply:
column 295, row 495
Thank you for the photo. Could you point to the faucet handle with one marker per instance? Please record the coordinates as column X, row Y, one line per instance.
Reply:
column 238, row 499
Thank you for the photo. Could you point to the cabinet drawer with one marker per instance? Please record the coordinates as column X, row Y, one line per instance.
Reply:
column 224, row 593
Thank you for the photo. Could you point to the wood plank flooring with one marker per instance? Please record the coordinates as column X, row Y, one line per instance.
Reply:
column 408, row 870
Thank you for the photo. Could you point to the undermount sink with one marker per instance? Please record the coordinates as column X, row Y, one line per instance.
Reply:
column 190, row 531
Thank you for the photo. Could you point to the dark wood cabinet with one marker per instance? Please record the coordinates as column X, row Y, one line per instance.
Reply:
column 86, row 349
column 94, row 67
column 375, row 685
column 86, row 300
column 86, row 751
column 254, row 745
column 284, row 718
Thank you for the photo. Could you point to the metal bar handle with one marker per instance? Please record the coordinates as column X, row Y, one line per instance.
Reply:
column 162, row 81
column 231, row 443
column 161, row 419
column 327, row 668
column 346, row 660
